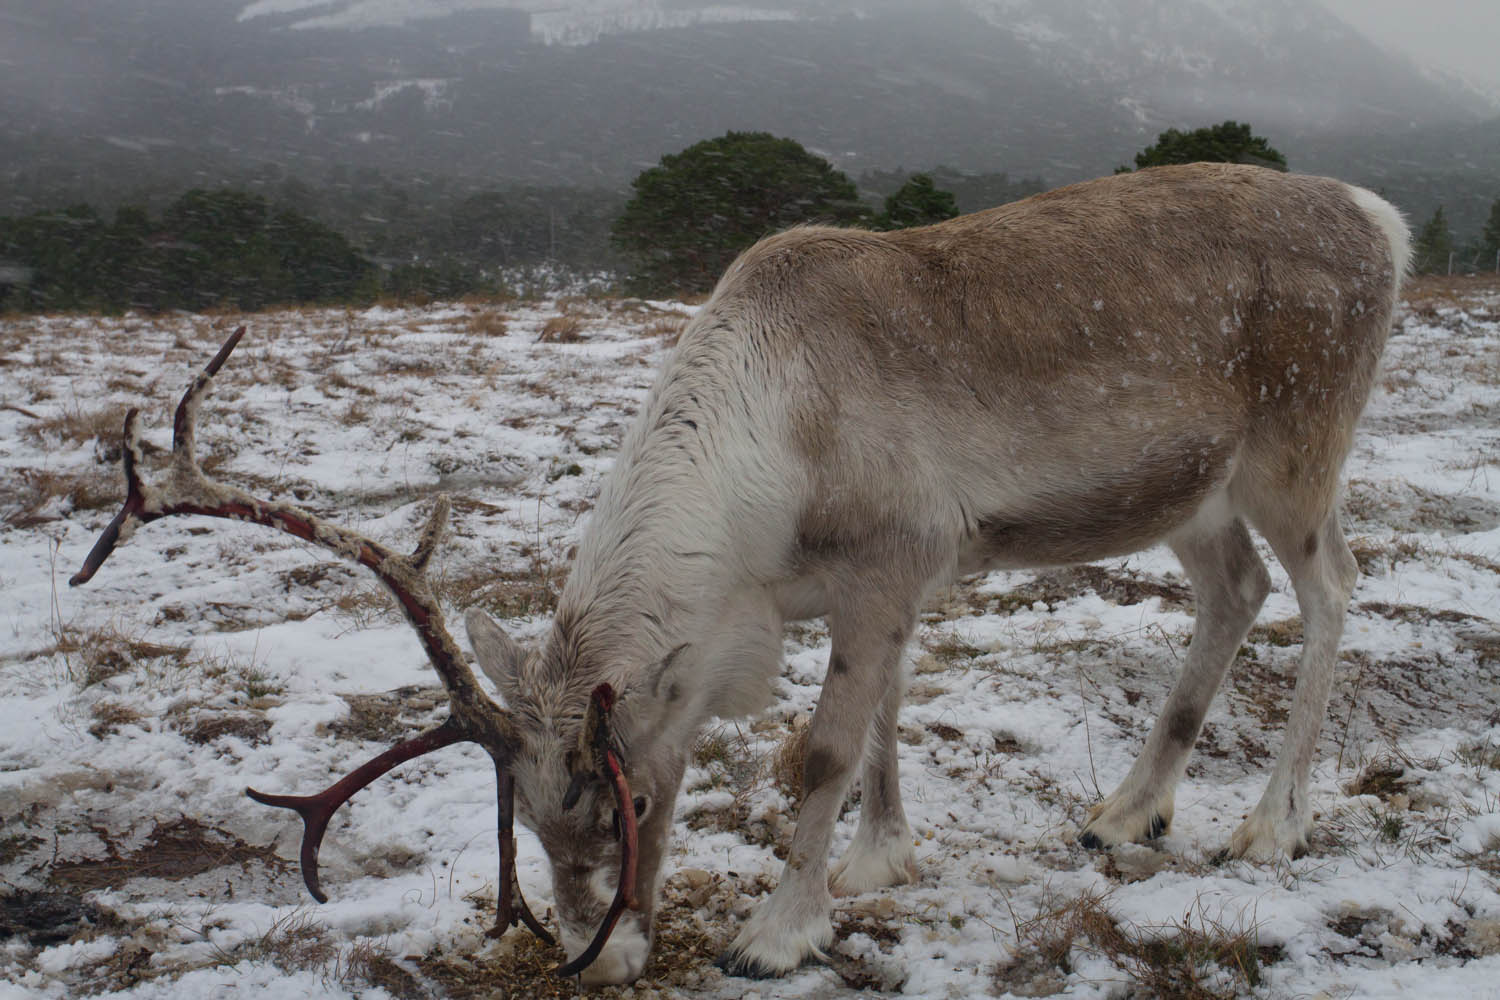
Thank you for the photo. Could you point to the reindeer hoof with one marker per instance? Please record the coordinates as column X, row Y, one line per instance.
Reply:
column 736, row 963
column 1094, row 840
column 774, row 943
column 1109, row 823
column 1258, row 840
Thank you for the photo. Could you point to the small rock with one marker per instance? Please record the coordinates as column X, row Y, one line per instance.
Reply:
column 695, row 878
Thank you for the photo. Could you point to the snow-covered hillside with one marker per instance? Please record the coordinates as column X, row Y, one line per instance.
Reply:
column 208, row 656
column 552, row 23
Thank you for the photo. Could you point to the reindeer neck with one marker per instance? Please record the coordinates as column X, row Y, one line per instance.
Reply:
column 650, row 564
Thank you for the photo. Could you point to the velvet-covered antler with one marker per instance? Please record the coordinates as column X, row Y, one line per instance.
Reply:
column 474, row 718
column 597, row 747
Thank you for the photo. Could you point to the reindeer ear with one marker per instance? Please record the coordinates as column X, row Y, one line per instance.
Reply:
column 500, row 656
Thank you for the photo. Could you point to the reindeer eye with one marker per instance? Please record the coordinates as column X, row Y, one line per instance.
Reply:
column 642, row 805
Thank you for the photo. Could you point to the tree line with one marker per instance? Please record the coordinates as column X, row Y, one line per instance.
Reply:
column 684, row 221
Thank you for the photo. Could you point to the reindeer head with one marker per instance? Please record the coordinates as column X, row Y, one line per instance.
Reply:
column 565, row 789
column 562, row 754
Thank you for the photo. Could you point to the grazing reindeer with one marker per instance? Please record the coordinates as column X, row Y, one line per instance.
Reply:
column 854, row 419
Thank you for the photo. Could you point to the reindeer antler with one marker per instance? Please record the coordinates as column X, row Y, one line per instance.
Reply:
column 474, row 718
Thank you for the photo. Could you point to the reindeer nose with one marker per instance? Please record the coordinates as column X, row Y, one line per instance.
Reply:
column 623, row 958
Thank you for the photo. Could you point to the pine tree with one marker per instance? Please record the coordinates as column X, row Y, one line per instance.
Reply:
column 1489, row 240
column 691, row 215
column 1433, row 246
column 1227, row 142
column 918, row 202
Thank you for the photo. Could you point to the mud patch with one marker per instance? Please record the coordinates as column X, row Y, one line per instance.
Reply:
column 46, row 918
column 173, row 851
column 252, row 729
column 1115, row 585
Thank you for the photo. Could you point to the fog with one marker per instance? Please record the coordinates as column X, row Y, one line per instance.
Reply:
column 101, row 101
column 1456, row 36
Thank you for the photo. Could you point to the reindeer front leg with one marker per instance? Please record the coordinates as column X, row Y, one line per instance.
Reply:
column 794, row 925
column 882, row 853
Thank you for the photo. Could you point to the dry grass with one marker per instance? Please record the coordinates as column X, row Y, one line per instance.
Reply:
column 77, row 425
column 32, row 497
column 788, row 761
column 111, row 716
column 487, row 322
column 952, row 649
column 1195, row 958
column 667, row 329
column 566, row 328
column 1281, row 633
column 372, row 965
column 293, row 943
column 95, row 655
column 1427, row 293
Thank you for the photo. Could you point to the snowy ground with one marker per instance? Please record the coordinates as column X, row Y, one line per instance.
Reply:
column 208, row 656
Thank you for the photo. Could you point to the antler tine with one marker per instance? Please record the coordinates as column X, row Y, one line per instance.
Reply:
column 432, row 533
column 186, row 417
column 511, row 903
column 474, row 717
column 317, row 810
column 600, row 747
column 124, row 522
column 187, row 491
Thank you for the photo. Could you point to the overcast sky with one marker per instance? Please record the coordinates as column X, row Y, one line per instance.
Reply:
column 1462, row 36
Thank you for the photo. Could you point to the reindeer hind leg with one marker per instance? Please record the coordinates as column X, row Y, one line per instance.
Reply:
column 1229, row 584
column 1323, row 573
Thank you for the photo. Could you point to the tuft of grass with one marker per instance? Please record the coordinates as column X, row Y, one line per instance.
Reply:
column 1194, row 958
column 110, row 717
column 952, row 648
column 487, row 322
column 713, row 750
column 1482, row 755
column 293, row 943
column 369, row 964
column 76, row 425
column 1382, row 777
column 92, row 656
column 789, row 760
column 1286, row 632
column 667, row 329
column 28, row 493
column 566, row 328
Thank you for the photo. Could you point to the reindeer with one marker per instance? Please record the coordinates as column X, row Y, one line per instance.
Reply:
column 854, row 419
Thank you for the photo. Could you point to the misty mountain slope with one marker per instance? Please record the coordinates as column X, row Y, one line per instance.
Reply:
column 131, row 101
